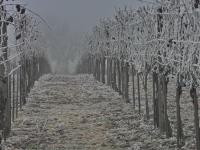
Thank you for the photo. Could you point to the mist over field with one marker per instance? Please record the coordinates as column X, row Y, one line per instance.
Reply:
column 69, row 21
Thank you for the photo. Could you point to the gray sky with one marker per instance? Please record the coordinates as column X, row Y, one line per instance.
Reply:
column 80, row 15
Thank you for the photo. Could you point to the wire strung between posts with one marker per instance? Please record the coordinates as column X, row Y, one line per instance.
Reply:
column 14, row 70
column 10, row 58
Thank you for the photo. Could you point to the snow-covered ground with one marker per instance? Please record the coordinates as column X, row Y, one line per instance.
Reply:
column 78, row 112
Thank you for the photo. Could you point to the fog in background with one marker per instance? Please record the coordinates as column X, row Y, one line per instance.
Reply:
column 69, row 20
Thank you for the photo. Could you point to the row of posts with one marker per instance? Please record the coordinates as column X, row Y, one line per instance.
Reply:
column 110, row 68
column 118, row 72
column 19, row 82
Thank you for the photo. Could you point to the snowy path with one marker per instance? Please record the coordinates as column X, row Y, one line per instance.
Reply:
column 77, row 112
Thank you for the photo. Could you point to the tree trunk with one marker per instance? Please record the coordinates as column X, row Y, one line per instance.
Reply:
column 138, row 85
column 21, row 86
column 10, row 93
column 108, row 71
column 103, row 70
column 94, row 69
column 146, row 97
column 4, row 79
column 24, row 82
column 196, row 116
column 31, row 74
column 7, row 113
column 2, row 108
column 126, row 82
column 111, row 74
column 13, row 107
column 114, row 76
column 122, row 79
column 154, row 101
column 168, row 128
column 119, row 77
column 17, row 92
column 156, row 108
column 180, row 135
column 160, row 109
column 133, row 84
column 98, row 69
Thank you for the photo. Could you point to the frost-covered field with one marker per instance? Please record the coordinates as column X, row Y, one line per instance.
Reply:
column 77, row 112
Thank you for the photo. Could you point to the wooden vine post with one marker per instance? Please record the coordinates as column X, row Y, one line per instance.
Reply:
column 122, row 79
column 119, row 77
column 180, row 136
column 193, row 95
column 4, row 77
column 154, row 100
column 138, row 86
column 126, row 82
column 103, row 69
column 133, row 84
column 108, row 71
column 114, row 76
column 168, row 128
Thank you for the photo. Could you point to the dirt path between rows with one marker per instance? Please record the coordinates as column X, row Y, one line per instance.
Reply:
column 77, row 112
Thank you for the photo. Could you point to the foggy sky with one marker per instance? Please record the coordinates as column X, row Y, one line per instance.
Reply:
column 80, row 15
column 69, row 20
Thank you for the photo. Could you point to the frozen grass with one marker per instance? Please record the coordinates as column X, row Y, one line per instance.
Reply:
column 77, row 112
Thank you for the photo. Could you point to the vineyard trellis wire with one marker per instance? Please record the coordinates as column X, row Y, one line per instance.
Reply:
column 21, row 62
column 161, row 39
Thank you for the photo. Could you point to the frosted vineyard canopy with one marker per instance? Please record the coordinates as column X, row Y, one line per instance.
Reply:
column 161, row 37
column 20, row 36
